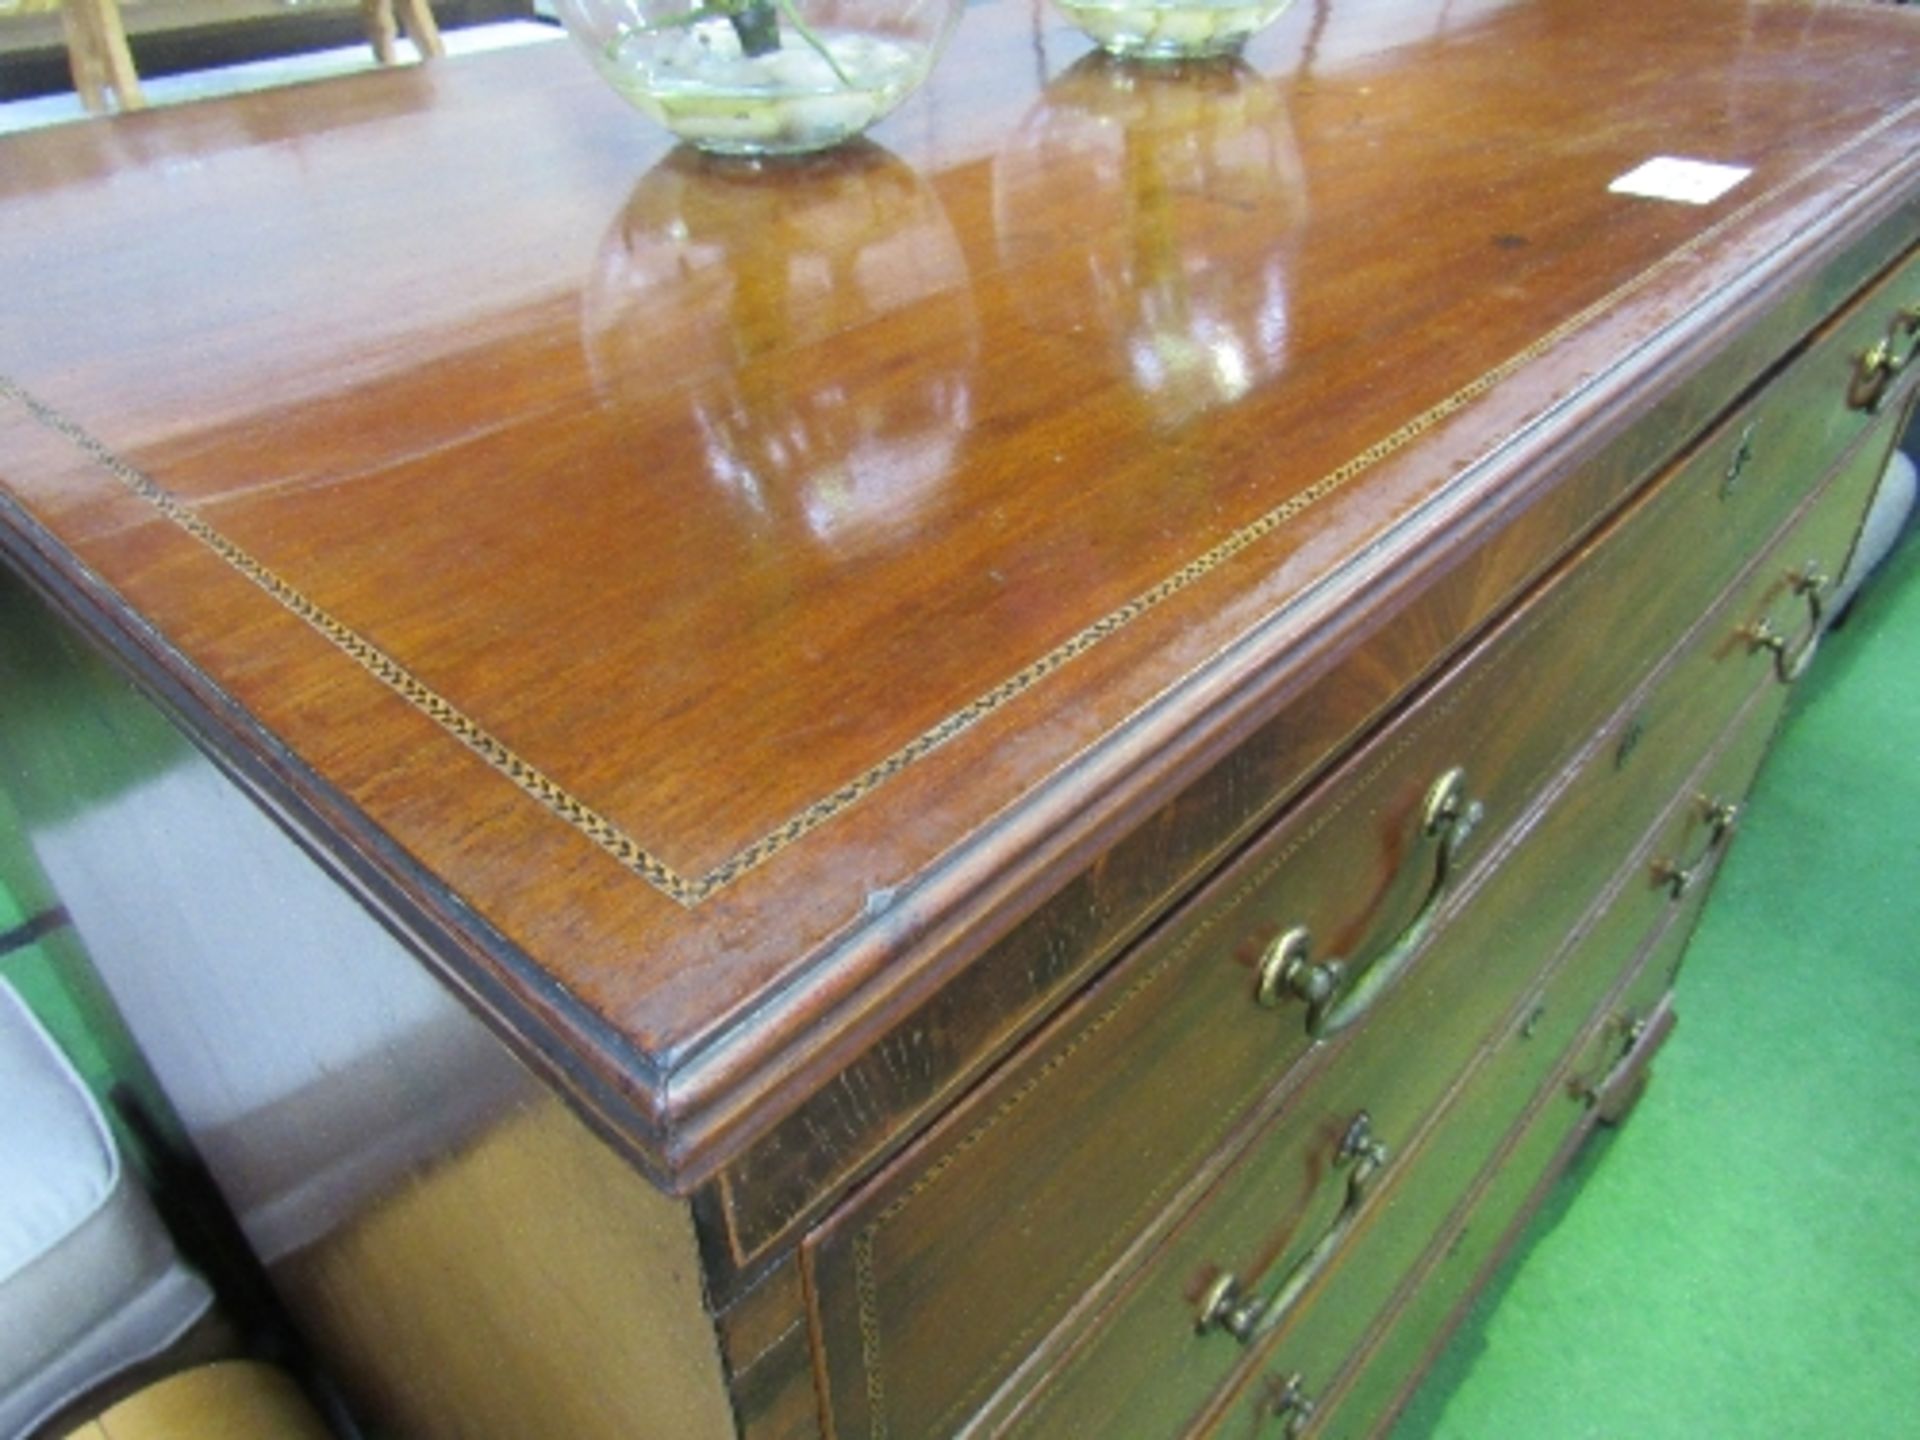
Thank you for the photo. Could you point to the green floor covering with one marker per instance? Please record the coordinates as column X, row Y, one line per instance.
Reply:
column 1743, row 1257
column 47, row 973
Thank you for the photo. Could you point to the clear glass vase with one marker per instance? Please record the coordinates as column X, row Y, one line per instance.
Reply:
column 763, row 77
column 1172, row 29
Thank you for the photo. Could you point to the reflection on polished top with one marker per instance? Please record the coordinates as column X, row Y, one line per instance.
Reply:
column 707, row 589
column 711, row 267
column 1172, row 157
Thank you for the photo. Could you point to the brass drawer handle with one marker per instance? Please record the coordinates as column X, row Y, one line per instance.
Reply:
column 1338, row 992
column 1873, row 372
column 1721, row 816
column 1904, row 328
column 1632, row 1028
column 1618, row 1088
column 1247, row 1317
column 1790, row 661
column 1287, row 1400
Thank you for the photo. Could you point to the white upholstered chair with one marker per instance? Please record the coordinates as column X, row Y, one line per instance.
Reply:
column 90, row 1282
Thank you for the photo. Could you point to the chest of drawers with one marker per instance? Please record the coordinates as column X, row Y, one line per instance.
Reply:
column 1025, row 786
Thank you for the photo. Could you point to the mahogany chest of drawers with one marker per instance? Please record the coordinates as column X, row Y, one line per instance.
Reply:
column 1024, row 780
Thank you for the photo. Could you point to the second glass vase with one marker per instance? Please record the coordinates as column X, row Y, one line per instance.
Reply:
column 1172, row 29
column 762, row 77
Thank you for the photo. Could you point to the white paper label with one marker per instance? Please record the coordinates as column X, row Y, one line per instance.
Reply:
column 1692, row 182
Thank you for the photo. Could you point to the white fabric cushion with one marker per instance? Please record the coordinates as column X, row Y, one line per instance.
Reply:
column 1892, row 507
column 89, row 1281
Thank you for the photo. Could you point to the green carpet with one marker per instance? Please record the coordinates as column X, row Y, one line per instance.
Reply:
column 1743, row 1258
column 45, row 973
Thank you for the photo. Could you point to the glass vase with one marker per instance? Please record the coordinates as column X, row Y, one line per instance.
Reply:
column 1172, row 29
column 763, row 77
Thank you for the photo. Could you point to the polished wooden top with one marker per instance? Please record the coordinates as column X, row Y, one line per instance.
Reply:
column 701, row 592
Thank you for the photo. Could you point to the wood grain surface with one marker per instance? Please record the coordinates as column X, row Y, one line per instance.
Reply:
column 711, row 593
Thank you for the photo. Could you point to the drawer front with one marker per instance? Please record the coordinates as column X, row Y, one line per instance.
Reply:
column 1541, row 1034
column 1755, row 466
column 1306, row 1385
column 1380, row 1379
column 1664, row 879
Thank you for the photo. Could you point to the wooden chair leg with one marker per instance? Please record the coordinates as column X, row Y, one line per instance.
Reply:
column 121, row 73
column 89, row 74
column 102, row 62
column 377, row 16
column 422, row 29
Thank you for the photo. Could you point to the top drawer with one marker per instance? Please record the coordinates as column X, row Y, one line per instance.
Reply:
column 1046, row 1174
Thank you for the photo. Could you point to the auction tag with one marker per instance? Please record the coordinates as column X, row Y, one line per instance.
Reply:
column 1692, row 182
